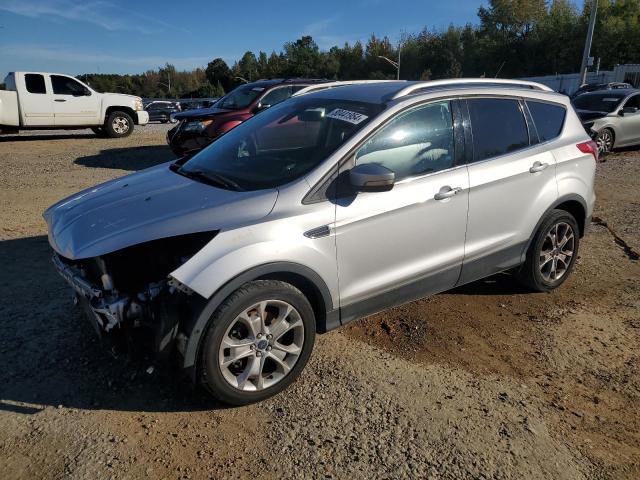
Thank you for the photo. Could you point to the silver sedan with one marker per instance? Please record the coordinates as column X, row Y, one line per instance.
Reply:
column 612, row 117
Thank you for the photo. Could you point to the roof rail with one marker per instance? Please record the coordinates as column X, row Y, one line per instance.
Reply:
column 324, row 86
column 475, row 82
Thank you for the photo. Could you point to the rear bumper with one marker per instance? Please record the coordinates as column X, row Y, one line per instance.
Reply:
column 142, row 117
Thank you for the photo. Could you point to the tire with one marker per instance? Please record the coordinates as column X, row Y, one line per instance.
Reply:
column 164, row 120
column 605, row 140
column 119, row 124
column 99, row 131
column 544, row 252
column 269, row 354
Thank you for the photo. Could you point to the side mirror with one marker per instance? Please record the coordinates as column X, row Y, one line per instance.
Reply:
column 371, row 177
column 260, row 107
column 626, row 110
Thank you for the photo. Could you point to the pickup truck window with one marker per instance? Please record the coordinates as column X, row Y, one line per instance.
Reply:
column 35, row 83
column 66, row 86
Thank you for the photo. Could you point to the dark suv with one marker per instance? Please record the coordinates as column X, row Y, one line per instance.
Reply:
column 160, row 111
column 198, row 128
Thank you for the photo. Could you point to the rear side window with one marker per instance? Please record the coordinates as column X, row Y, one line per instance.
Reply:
column 548, row 118
column 34, row 83
column 276, row 96
column 498, row 127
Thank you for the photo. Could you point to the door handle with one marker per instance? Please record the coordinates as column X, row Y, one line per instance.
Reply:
column 538, row 167
column 446, row 192
column 60, row 100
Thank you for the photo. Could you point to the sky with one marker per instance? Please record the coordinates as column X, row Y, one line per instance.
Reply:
column 110, row 36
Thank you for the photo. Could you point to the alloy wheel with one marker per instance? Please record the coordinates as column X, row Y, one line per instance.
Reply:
column 261, row 345
column 557, row 252
column 604, row 140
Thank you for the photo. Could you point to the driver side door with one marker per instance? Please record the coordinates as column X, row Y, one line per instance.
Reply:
column 629, row 131
column 398, row 245
column 73, row 103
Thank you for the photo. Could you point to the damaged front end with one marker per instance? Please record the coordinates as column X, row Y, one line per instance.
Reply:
column 130, row 298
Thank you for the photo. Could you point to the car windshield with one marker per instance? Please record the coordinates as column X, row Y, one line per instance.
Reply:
column 280, row 144
column 598, row 102
column 240, row 97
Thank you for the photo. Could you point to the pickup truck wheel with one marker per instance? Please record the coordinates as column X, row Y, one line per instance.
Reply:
column 118, row 124
column 257, row 342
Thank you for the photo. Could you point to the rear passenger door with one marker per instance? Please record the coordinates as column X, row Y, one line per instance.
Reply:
column 35, row 104
column 512, row 181
column 629, row 131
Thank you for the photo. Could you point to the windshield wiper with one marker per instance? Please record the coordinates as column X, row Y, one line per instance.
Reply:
column 211, row 178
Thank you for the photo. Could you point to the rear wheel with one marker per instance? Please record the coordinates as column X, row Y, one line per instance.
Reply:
column 552, row 253
column 257, row 343
column 118, row 124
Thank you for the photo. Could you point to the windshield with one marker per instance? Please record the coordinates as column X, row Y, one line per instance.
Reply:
column 280, row 144
column 600, row 102
column 240, row 97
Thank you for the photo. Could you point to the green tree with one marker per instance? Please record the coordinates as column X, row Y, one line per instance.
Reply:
column 218, row 71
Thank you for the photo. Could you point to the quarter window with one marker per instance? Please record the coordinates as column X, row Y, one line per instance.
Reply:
column 416, row 143
column 35, row 83
column 548, row 118
column 66, row 86
column 498, row 127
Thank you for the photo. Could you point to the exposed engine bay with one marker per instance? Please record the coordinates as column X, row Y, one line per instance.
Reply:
column 129, row 297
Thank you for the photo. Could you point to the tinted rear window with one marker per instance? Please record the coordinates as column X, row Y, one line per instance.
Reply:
column 498, row 127
column 34, row 83
column 548, row 119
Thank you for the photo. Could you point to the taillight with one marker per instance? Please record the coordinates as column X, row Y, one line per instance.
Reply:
column 589, row 147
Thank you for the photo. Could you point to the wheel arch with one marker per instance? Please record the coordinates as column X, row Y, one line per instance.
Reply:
column 573, row 204
column 114, row 108
column 300, row 276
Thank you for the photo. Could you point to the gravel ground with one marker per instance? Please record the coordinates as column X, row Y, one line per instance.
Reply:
column 486, row 381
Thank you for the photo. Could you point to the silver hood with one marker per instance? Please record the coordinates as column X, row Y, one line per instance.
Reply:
column 148, row 205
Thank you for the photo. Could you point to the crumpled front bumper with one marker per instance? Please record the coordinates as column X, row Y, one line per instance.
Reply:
column 106, row 312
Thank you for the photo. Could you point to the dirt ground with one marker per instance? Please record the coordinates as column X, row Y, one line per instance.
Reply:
column 486, row 381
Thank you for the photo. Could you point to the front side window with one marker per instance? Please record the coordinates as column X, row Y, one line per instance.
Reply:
column 417, row 142
column 276, row 96
column 279, row 145
column 633, row 102
column 498, row 127
column 66, row 86
column 240, row 97
column 548, row 118
column 35, row 83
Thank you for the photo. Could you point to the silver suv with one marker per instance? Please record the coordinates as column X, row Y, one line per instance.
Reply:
column 343, row 201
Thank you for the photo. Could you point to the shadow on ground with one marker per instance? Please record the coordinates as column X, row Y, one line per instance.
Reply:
column 132, row 159
column 50, row 356
column 46, row 137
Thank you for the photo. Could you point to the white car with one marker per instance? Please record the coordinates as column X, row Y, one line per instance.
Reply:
column 37, row 101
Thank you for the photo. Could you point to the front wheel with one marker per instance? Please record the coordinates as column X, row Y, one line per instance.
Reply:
column 118, row 124
column 552, row 253
column 604, row 140
column 257, row 343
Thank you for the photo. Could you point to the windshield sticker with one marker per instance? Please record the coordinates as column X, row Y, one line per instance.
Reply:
column 257, row 89
column 610, row 99
column 347, row 116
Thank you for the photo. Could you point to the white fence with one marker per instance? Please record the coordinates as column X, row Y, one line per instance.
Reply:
column 569, row 82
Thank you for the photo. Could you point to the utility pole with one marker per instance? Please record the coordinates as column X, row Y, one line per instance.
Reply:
column 587, row 44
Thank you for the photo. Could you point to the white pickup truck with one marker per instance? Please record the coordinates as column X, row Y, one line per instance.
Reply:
column 39, row 101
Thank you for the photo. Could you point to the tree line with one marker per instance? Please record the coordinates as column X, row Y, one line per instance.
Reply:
column 513, row 38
